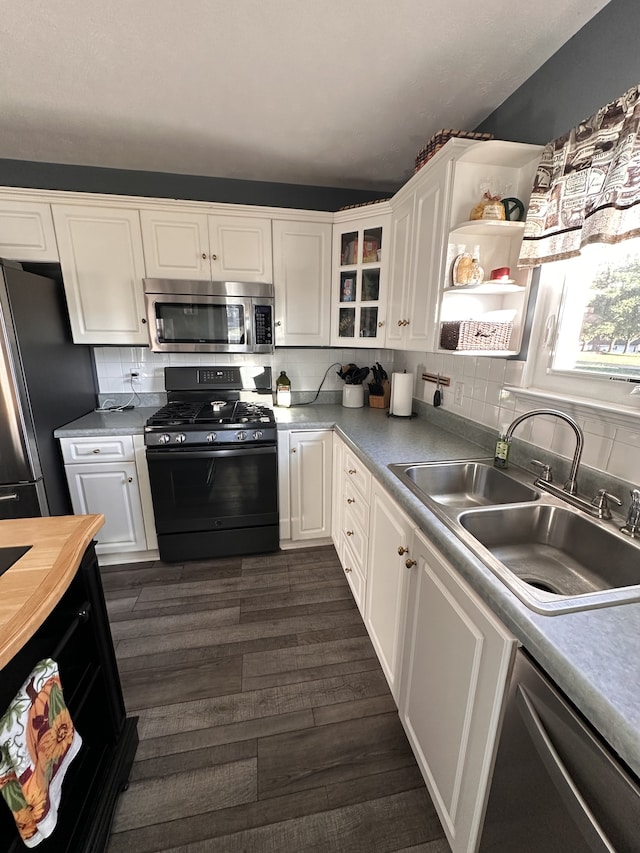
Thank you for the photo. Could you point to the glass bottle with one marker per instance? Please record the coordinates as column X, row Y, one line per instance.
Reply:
column 476, row 275
column 501, row 456
column 283, row 390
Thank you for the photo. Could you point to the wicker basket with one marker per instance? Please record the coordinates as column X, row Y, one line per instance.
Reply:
column 439, row 139
column 475, row 335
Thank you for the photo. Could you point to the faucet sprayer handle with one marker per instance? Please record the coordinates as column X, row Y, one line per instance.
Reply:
column 632, row 525
column 547, row 474
column 601, row 502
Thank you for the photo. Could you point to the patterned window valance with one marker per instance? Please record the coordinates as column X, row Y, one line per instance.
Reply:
column 587, row 187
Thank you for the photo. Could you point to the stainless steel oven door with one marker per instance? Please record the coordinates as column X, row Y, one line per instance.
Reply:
column 200, row 323
column 216, row 489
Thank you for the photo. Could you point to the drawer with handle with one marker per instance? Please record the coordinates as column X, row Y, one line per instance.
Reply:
column 107, row 448
column 357, row 473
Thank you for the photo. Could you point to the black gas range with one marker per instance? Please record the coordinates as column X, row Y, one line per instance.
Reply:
column 211, row 422
column 212, row 458
column 213, row 405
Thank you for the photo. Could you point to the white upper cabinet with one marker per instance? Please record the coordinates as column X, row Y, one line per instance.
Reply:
column 176, row 245
column 359, row 277
column 430, row 225
column 302, row 282
column 103, row 268
column 206, row 247
column 418, row 229
column 400, row 269
column 26, row 231
column 507, row 168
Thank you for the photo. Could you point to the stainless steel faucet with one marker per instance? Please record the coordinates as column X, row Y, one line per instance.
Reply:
column 632, row 524
column 571, row 486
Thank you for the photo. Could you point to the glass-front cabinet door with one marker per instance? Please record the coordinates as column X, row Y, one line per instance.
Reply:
column 359, row 278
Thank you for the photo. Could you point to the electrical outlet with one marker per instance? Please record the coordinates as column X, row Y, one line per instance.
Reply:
column 458, row 393
column 134, row 375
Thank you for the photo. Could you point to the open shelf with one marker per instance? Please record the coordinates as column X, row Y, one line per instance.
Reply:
column 487, row 227
column 495, row 288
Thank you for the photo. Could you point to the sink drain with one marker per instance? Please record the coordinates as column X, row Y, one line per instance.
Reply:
column 541, row 585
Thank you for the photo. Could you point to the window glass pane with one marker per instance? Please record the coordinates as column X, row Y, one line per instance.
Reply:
column 372, row 245
column 347, row 323
column 347, row 287
column 349, row 249
column 599, row 324
column 368, row 322
column 370, row 285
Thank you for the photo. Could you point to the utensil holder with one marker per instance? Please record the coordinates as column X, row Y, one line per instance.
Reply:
column 353, row 396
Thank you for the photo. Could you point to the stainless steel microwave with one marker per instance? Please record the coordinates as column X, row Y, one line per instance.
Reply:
column 209, row 316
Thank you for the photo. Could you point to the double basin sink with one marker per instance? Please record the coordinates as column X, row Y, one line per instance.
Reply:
column 553, row 557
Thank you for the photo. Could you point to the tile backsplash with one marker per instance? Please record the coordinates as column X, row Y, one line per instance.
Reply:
column 304, row 367
column 477, row 392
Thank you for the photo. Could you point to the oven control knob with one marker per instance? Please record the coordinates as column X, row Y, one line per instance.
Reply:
column 241, row 436
column 164, row 438
column 181, row 438
column 257, row 434
column 211, row 437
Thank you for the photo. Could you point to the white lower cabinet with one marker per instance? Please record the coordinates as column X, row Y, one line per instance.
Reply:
column 350, row 524
column 456, row 661
column 310, row 454
column 388, row 571
column 103, row 477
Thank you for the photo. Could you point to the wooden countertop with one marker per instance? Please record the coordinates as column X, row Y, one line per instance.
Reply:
column 32, row 587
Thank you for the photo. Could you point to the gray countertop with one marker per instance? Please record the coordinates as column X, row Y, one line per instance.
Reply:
column 594, row 656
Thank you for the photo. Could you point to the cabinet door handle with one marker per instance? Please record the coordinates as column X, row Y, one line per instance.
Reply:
column 129, row 479
column 351, row 500
column 402, row 550
column 351, row 471
column 400, row 322
column 278, row 323
column 409, row 563
column 96, row 450
column 12, row 497
column 349, row 532
column 143, row 321
column 214, row 257
column 204, row 256
column 347, row 569
column 381, row 324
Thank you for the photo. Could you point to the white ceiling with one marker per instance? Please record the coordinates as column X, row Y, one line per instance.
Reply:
column 323, row 92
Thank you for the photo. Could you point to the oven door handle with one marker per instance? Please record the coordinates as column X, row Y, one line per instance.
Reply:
column 244, row 450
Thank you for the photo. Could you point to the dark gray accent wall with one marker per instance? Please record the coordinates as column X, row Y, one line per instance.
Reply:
column 89, row 179
column 594, row 67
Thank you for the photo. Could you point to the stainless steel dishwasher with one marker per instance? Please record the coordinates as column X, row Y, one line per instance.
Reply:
column 556, row 786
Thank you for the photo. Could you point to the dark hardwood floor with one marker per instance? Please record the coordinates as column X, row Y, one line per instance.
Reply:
column 266, row 723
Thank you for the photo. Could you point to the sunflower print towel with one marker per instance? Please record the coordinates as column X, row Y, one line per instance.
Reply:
column 37, row 744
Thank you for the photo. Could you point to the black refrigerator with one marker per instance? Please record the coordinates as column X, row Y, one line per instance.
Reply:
column 45, row 381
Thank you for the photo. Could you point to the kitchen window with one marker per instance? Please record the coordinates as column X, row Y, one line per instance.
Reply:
column 588, row 322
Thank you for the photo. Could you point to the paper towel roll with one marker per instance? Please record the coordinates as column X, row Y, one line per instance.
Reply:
column 401, row 394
